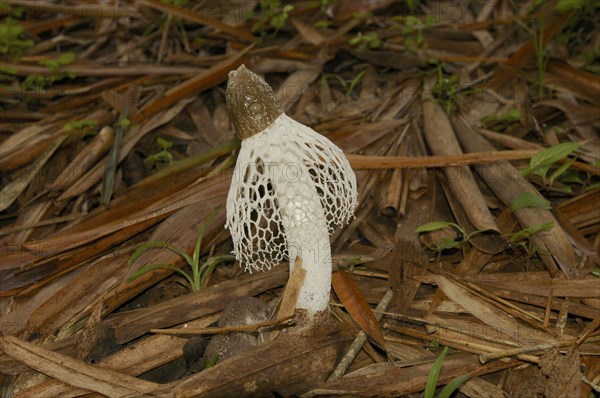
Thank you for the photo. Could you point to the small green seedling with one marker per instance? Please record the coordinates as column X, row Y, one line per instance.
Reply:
column 445, row 90
column 200, row 272
column 11, row 10
column 80, row 124
column 272, row 16
column 498, row 122
column 446, row 243
column 524, row 237
column 412, row 29
column 322, row 6
column 434, row 375
column 11, row 41
column 355, row 82
column 528, row 199
column 54, row 64
column 37, row 81
column 541, row 58
column 163, row 156
column 362, row 42
column 542, row 161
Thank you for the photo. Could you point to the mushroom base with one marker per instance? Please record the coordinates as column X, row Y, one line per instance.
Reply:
column 321, row 323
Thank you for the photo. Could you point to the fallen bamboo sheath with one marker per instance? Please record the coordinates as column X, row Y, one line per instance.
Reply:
column 222, row 330
column 393, row 382
column 289, row 365
column 483, row 358
column 139, row 357
column 73, row 371
column 398, row 182
column 128, row 326
column 507, row 183
column 363, row 162
column 442, row 140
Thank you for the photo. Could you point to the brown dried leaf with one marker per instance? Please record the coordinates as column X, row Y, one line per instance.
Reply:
column 72, row 371
column 292, row 290
column 357, row 306
column 85, row 159
column 14, row 189
column 489, row 314
column 308, row 32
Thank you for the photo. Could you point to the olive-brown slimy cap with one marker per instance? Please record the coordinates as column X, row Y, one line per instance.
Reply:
column 251, row 101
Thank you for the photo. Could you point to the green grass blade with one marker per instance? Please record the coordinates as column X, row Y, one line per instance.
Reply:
column 207, row 221
column 454, row 384
column 208, row 267
column 110, row 169
column 436, row 225
column 151, row 267
column 157, row 244
column 434, row 375
column 561, row 170
column 355, row 82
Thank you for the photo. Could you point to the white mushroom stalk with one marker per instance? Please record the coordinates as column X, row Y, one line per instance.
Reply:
column 291, row 187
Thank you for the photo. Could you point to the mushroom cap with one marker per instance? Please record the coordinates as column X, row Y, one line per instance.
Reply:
column 251, row 101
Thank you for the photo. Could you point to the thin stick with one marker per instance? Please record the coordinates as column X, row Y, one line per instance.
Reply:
column 224, row 330
column 504, row 305
column 548, row 309
column 43, row 223
column 359, row 162
column 483, row 358
column 475, row 348
column 441, row 325
column 359, row 340
column 589, row 329
column 393, row 194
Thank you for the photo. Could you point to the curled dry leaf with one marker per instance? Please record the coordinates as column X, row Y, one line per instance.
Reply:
column 357, row 306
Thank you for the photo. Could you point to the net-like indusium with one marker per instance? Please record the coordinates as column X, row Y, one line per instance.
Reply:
column 292, row 163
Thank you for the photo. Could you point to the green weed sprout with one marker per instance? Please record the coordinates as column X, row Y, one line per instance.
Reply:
column 434, row 375
column 446, row 243
column 273, row 15
column 543, row 161
column 80, row 125
column 445, row 90
column 362, row 42
column 355, row 82
column 200, row 272
column 163, row 156
column 11, row 42
column 498, row 122
column 36, row 81
column 412, row 29
column 524, row 237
